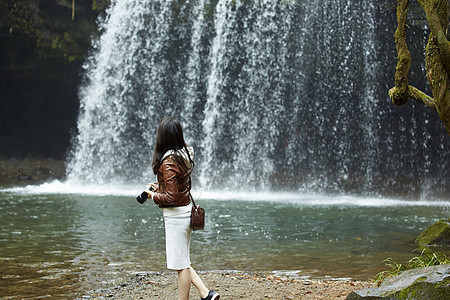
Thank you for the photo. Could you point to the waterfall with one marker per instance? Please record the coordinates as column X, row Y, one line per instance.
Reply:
column 273, row 95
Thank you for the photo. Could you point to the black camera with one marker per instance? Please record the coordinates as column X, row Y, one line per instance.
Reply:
column 144, row 196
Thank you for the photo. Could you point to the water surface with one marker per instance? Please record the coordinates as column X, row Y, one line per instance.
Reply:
column 61, row 244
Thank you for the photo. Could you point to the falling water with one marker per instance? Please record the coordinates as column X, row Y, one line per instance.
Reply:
column 273, row 95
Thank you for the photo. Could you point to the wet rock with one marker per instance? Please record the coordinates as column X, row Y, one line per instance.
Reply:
column 424, row 283
column 23, row 177
column 437, row 234
column 31, row 169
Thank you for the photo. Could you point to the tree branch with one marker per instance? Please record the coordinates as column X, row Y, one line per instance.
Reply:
column 416, row 94
column 421, row 97
column 437, row 29
column 399, row 94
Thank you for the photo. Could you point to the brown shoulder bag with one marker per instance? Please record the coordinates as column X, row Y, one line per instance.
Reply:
column 197, row 216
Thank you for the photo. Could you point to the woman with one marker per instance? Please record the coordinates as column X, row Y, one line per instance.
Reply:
column 173, row 164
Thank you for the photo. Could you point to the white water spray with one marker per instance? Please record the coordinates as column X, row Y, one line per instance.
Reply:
column 274, row 95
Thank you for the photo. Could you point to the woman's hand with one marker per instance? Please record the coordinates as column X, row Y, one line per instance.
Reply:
column 151, row 188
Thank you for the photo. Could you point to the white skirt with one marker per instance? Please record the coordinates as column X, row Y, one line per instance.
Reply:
column 177, row 222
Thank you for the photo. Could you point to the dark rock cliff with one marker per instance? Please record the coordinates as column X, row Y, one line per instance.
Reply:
column 42, row 50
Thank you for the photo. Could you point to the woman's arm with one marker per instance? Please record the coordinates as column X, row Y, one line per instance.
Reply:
column 168, row 195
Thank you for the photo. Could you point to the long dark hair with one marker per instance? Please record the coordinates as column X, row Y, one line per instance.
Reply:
column 169, row 136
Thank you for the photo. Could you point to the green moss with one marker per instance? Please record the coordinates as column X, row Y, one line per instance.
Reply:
column 421, row 291
column 438, row 233
column 444, row 284
column 423, row 278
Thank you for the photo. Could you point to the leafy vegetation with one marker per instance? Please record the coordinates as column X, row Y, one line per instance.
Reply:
column 49, row 26
column 426, row 258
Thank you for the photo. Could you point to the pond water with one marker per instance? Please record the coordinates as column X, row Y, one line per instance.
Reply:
column 61, row 244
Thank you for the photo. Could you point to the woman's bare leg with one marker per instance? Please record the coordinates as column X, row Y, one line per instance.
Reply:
column 184, row 284
column 198, row 283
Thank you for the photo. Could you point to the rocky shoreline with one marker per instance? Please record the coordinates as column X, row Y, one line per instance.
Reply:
column 231, row 285
column 31, row 170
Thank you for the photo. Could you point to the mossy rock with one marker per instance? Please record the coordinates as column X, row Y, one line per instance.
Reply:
column 437, row 234
column 423, row 283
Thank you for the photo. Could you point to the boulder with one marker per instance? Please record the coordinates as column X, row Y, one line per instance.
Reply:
column 424, row 283
column 437, row 234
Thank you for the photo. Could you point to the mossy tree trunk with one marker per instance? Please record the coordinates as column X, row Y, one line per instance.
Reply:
column 437, row 59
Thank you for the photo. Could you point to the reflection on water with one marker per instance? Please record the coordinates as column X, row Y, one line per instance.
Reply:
column 61, row 244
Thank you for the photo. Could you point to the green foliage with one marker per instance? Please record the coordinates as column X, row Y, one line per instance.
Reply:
column 396, row 268
column 100, row 4
column 426, row 258
column 49, row 26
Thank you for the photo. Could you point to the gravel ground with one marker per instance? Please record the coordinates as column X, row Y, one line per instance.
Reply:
column 231, row 285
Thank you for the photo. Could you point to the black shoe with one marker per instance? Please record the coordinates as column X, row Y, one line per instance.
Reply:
column 211, row 296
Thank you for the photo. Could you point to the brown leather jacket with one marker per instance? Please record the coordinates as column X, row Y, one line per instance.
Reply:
column 174, row 180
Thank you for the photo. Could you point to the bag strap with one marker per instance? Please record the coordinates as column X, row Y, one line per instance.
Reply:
column 192, row 199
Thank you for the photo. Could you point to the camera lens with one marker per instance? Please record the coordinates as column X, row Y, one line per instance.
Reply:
column 142, row 197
